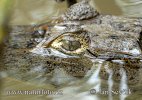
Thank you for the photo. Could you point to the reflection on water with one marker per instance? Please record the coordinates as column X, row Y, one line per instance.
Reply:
column 78, row 89
column 131, row 8
column 123, row 83
column 105, row 81
column 107, row 7
column 110, row 81
column 32, row 11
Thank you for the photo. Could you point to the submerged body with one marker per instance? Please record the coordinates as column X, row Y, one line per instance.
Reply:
column 105, row 37
column 114, row 39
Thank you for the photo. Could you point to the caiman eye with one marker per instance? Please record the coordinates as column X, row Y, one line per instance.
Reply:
column 72, row 43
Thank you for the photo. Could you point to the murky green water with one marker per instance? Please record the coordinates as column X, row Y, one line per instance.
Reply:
column 31, row 12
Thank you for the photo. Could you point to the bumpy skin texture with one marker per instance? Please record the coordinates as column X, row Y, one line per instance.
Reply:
column 80, row 11
column 17, row 57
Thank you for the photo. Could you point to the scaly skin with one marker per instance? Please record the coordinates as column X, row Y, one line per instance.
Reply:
column 108, row 36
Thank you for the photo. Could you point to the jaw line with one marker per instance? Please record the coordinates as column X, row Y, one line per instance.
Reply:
column 50, row 52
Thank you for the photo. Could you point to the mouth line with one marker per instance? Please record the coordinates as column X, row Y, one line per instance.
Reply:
column 50, row 52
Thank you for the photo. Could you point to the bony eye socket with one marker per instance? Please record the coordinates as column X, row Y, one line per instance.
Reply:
column 72, row 43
